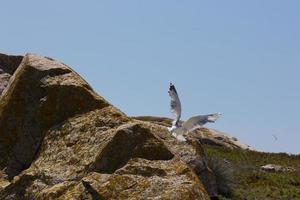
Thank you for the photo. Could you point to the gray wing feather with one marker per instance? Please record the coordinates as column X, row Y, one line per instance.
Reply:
column 198, row 121
column 175, row 104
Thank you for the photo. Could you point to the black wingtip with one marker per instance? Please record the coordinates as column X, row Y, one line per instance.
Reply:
column 172, row 88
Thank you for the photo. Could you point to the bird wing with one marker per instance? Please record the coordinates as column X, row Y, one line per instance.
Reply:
column 197, row 121
column 175, row 104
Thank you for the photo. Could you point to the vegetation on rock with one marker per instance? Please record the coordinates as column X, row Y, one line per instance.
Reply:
column 60, row 140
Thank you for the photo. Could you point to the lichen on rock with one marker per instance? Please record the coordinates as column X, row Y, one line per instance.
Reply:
column 61, row 140
column 36, row 99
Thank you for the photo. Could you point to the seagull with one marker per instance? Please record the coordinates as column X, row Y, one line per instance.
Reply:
column 275, row 137
column 179, row 129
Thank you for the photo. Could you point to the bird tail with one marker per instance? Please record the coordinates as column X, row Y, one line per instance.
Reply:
column 213, row 117
column 177, row 135
column 180, row 138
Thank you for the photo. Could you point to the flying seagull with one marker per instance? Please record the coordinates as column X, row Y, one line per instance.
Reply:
column 275, row 137
column 179, row 129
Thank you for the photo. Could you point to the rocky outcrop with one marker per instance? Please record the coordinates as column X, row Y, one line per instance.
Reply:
column 60, row 140
column 205, row 135
column 42, row 93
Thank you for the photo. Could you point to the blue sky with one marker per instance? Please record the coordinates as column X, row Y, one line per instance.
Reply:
column 240, row 58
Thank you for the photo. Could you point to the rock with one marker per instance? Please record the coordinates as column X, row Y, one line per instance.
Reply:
column 192, row 153
column 160, row 179
column 60, row 140
column 42, row 93
column 205, row 135
column 221, row 139
column 276, row 168
column 8, row 65
column 4, row 78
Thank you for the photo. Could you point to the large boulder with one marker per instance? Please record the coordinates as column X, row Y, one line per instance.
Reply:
column 60, row 140
column 42, row 93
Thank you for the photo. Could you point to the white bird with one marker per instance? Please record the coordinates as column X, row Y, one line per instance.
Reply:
column 193, row 123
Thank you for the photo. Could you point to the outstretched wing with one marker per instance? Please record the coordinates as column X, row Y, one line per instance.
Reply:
column 175, row 104
column 196, row 122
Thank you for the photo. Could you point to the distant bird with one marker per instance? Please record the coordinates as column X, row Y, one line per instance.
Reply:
column 275, row 137
column 193, row 123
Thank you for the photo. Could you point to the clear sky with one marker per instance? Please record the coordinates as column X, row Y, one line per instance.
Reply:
column 241, row 58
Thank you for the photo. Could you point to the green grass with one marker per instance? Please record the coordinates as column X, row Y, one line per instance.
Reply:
column 251, row 182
